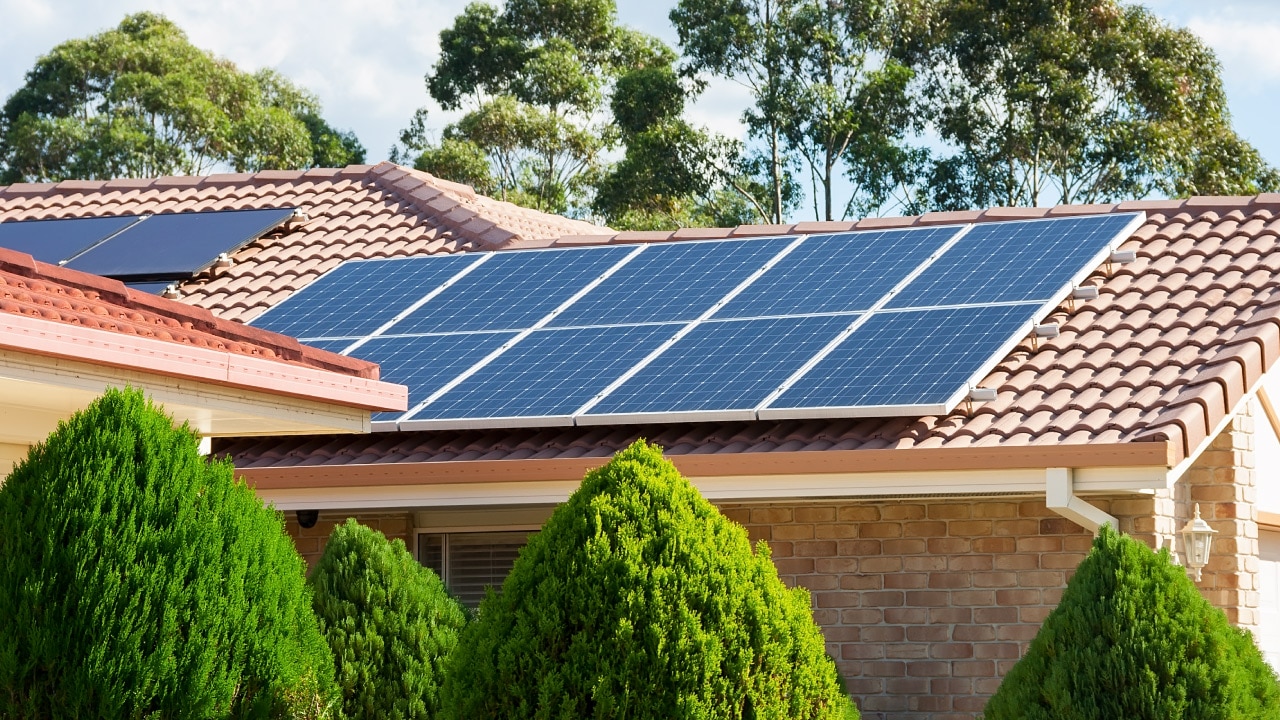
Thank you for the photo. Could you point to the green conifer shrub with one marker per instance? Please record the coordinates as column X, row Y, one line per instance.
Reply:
column 637, row 600
column 389, row 621
column 141, row 580
column 1133, row 638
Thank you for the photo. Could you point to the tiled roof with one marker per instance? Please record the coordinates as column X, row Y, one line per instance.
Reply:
column 67, row 297
column 355, row 212
column 1167, row 350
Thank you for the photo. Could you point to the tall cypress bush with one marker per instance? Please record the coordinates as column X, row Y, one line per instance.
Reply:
column 389, row 622
column 640, row 600
column 1132, row 638
column 141, row 580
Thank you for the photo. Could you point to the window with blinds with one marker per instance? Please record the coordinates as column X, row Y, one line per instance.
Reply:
column 469, row 562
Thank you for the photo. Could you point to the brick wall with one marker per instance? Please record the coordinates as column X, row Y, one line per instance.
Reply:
column 310, row 541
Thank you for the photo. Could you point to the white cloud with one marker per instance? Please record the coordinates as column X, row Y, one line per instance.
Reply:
column 1246, row 48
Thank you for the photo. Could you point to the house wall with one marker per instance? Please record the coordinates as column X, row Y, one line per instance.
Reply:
column 927, row 603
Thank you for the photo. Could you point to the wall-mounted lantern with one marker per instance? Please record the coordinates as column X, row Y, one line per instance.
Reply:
column 1197, row 536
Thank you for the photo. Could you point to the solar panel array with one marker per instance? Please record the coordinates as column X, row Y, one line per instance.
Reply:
column 147, row 252
column 867, row 323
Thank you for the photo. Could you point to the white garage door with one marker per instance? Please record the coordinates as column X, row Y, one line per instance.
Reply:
column 1268, row 632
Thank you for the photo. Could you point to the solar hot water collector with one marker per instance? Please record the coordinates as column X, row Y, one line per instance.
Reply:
column 899, row 322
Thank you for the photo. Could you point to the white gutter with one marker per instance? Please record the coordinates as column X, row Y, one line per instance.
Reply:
column 1059, row 495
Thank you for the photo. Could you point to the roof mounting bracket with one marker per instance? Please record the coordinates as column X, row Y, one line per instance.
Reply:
column 1060, row 497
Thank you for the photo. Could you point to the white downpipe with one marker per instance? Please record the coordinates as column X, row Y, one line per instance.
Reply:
column 1060, row 496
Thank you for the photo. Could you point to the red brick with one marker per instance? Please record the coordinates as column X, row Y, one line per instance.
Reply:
column 924, row 563
column 792, row 532
column 907, row 686
column 884, row 703
column 1034, row 614
column 928, row 598
column 951, row 546
column 818, row 582
column 863, row 616
column 994, row 545
column 995, row 579
column 969, row 528
column 815, row 548
column 834, row 565
column 770, row 515
column 950, row 686
column 858, row 513
column 794, row 566
column 858, row 548
column 905, row 547
column 874, row 581
column 952, row 615
column 780, row 549
column 973, row 633
column 759, row 532
column 886, row 598
column 949, row 580
column 928, row 703
column 973, row 668
column 880, row 564
column 1059, row 526
column 996, row 615
column 905, row 580
column 1039, row 544
column 905, row 616
column 906, row 651
column 986, row 686
column 973, row 598
column 951, row 651
column 928, row 633
column 815, row 514
column 860, row 686
column 995, row 510
column 928, row 669
column 1018, row 597
column 1017, row 632
column 970, row 704
column 970, row 562
column 898, row 511
column 880, row 530
column 1040, row 578
column 1018, row 562
column 884, row 669
column 861, row 651
column 1077, row 543
column 884, row 634
column 1016, row 527
column 839, row 531
column 835, row 599
column 950, row 511
column 924, row 529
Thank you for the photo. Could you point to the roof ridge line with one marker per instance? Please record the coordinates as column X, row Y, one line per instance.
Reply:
column 436, row 199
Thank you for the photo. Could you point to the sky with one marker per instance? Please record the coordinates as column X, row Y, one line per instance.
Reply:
column 366, row 61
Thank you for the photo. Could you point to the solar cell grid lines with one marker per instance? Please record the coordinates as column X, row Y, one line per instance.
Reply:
column 897, row 322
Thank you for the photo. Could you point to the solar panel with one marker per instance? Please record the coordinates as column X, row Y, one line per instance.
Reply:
column 913, row 362
column 706, row 371
column 511, row 290
column 833, row 325
column 151, row 288
column 356, row 298
column 53, row 241
column 838, row 273
column 1032, row 259
column 176, row 246
column 674, row 282
column 548, row 375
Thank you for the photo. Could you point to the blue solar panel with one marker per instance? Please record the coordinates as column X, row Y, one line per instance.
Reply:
column 151, row 288
column 838, row 273
column 334, row 346
column 549, row 373
column 1012, row 261
column 512, row 290
column 673, row 282
column 723, row 366
column 427, row 363
column 907, row 359
column 176, row 245
column 357, row 298
column 53, row 241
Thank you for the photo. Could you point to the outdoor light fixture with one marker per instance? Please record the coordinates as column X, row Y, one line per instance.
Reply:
column 1197, row 536
column 308, row 518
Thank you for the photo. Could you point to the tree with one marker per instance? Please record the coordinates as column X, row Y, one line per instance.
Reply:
column 638, row 599
column 142, row 580
column 140, row 100
column 389, row 622
column 1133, row 638
column 1078, row 102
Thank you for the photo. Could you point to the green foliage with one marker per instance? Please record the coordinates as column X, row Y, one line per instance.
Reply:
column 141, row 580
column 1133, row 638
column 389, row 622
column 1079, row 102
column 640, row 600
column 140, row 100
